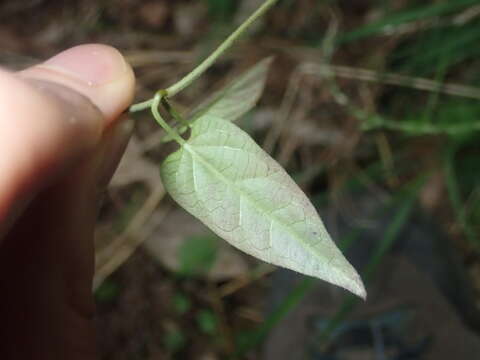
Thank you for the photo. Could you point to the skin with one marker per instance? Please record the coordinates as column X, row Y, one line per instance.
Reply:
column 61, row 137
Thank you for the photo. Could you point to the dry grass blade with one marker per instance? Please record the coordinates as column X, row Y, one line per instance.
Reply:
column 391, row 79
column 121, row 248
column 284, row 111
column 240, row 282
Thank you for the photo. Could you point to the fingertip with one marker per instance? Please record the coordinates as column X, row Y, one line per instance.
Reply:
column 49, row 116
column 96, row 71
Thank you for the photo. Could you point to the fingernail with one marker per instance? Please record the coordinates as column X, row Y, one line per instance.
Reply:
column 92, row 64
column 96, row 71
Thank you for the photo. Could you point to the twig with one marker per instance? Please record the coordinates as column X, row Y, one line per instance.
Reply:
column 245, row 280
column 119, row 250
column 284, row 111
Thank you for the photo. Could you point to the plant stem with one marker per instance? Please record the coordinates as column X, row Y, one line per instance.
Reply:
column 141, row 106
column 174, row 113
column 156, row 114
column 210, row 60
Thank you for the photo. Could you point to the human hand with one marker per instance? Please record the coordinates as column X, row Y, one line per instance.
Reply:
column 61, row 137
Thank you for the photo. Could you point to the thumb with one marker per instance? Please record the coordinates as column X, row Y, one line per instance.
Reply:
column 61, row 110
column 64, row 111
column 96, row 71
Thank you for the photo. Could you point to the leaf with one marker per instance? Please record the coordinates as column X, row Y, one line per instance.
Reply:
column 235, row 99
column 238, row 97
column 222, row 177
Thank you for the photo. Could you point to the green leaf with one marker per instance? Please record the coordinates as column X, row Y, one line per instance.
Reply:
column 222, row 177
column 235, row 99
column 239, row 96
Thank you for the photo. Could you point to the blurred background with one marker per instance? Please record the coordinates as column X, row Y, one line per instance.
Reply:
column 371, row 105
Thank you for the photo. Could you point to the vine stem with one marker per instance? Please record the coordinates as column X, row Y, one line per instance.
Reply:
column 156, row 114
column 210, row 60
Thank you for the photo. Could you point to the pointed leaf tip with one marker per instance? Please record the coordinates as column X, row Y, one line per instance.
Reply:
column 357, row 287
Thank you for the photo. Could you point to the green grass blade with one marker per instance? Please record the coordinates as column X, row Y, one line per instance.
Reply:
column 406, row 16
